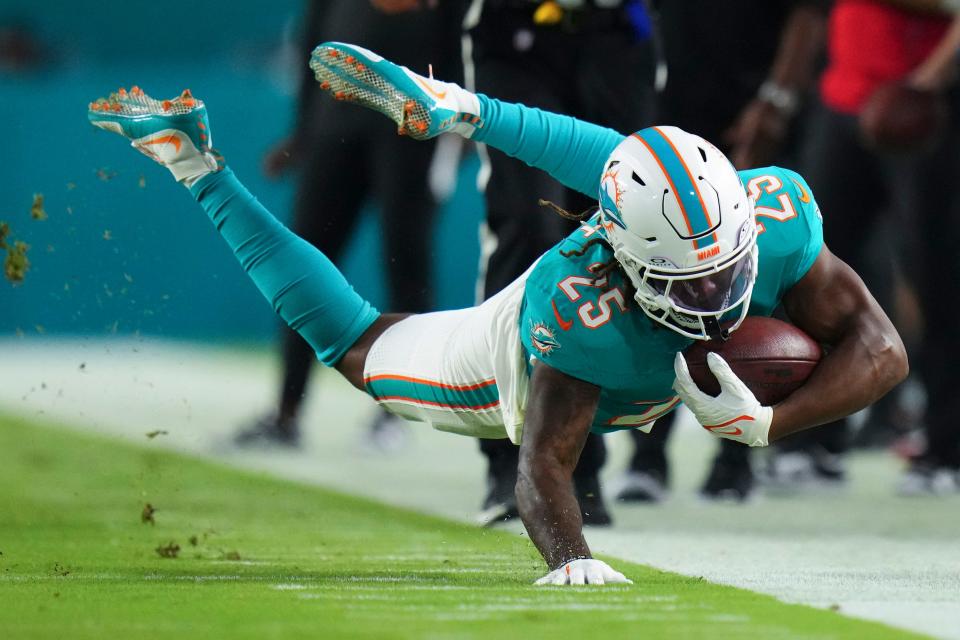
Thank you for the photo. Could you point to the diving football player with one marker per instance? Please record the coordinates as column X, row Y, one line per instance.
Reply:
column 680, row 248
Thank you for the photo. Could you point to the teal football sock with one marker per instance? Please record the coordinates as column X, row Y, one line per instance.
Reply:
column 572, row 151
column 304, row 287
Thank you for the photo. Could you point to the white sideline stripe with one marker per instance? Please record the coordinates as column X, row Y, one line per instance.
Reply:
column 900, row 564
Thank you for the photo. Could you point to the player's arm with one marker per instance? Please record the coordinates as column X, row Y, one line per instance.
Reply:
column 559, row 414
column 288, row 152
column 865, row 357
column 939, row 69
column 763, row 123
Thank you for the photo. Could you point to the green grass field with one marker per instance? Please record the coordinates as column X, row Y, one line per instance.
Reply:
column 260, row 557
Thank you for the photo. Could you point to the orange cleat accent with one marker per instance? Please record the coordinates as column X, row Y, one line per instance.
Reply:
column 324, row 85
column 201, row 126
column 350, row 59
column 116, row 106
column 333, row 53
column 186, row 94
column 122, row 92
column 167, row 105
column 360, row 67
column 136, row 91
column 189, row 103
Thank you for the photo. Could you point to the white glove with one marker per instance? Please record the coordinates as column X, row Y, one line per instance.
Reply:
column 584, row 571
column 735, row 414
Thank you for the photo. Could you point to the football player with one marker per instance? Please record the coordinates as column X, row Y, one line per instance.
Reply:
column 680, row 248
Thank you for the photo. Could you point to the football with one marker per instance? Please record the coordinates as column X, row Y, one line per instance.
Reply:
column 772, row 357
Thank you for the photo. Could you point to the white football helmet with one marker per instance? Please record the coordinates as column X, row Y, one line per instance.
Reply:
column 683, row 229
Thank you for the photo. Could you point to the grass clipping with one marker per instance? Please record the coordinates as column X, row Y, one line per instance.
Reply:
column 16, row 264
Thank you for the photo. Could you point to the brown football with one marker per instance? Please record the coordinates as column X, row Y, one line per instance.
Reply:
column 772, row 357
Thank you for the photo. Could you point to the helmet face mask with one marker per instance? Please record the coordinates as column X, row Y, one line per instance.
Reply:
column 683, row 230
column 695, row 302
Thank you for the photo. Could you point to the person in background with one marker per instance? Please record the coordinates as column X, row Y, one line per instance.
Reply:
column 596, row 60
column 346, row 159
column 890, row 62
column 567, row 56
column 526, row 50
column 738, row 82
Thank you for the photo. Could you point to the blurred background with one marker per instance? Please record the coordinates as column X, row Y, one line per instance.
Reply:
column 122, row 251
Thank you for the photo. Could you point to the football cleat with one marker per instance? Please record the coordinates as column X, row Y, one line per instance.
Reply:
column 267, row 431
column 643, row 486
column 175, row 133
column 925, row 477
column 421, row 107
column 729, row 480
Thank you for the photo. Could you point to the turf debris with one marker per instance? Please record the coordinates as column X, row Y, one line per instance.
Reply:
column 326, row 564
column 169, row 550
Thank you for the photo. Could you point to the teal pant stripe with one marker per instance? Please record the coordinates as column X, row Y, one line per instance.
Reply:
column 433, row 395
column 302, row 285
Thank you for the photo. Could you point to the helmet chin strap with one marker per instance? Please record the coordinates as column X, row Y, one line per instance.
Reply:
column 714, row 330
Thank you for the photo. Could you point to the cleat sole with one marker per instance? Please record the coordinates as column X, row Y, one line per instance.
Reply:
column 346, row 78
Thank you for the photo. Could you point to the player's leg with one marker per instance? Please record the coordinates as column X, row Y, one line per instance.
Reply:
column 648, row 474
column 930, row 261
column 400, row 170
column 853, row 195
column 519, row 234
column 303, row 286
column 603, row 95
column 407, row 214
column 329, row 195
column 513, row 235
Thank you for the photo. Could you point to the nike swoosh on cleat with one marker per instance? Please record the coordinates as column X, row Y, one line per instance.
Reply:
column 438, row 95
column 564, row 324
column 174, row 140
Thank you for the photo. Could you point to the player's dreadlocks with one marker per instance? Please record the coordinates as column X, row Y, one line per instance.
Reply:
column 599, row 271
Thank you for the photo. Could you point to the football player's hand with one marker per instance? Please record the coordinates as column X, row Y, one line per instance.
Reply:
column 756, row 135
column 735, row 414
column 584, row 571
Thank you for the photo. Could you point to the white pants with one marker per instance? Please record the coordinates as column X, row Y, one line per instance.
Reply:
column 462, row 371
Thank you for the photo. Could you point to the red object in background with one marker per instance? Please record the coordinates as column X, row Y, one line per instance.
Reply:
column 871, row 44
column 773, row 358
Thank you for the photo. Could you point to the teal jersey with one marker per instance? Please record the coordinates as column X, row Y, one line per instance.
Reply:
column 590, row 329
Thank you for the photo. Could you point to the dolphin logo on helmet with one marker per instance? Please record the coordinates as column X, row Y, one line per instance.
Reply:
column 683, row 229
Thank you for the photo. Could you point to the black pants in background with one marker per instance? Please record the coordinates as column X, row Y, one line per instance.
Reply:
column 916, row 195
column 595, row 70
column 345, row 169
